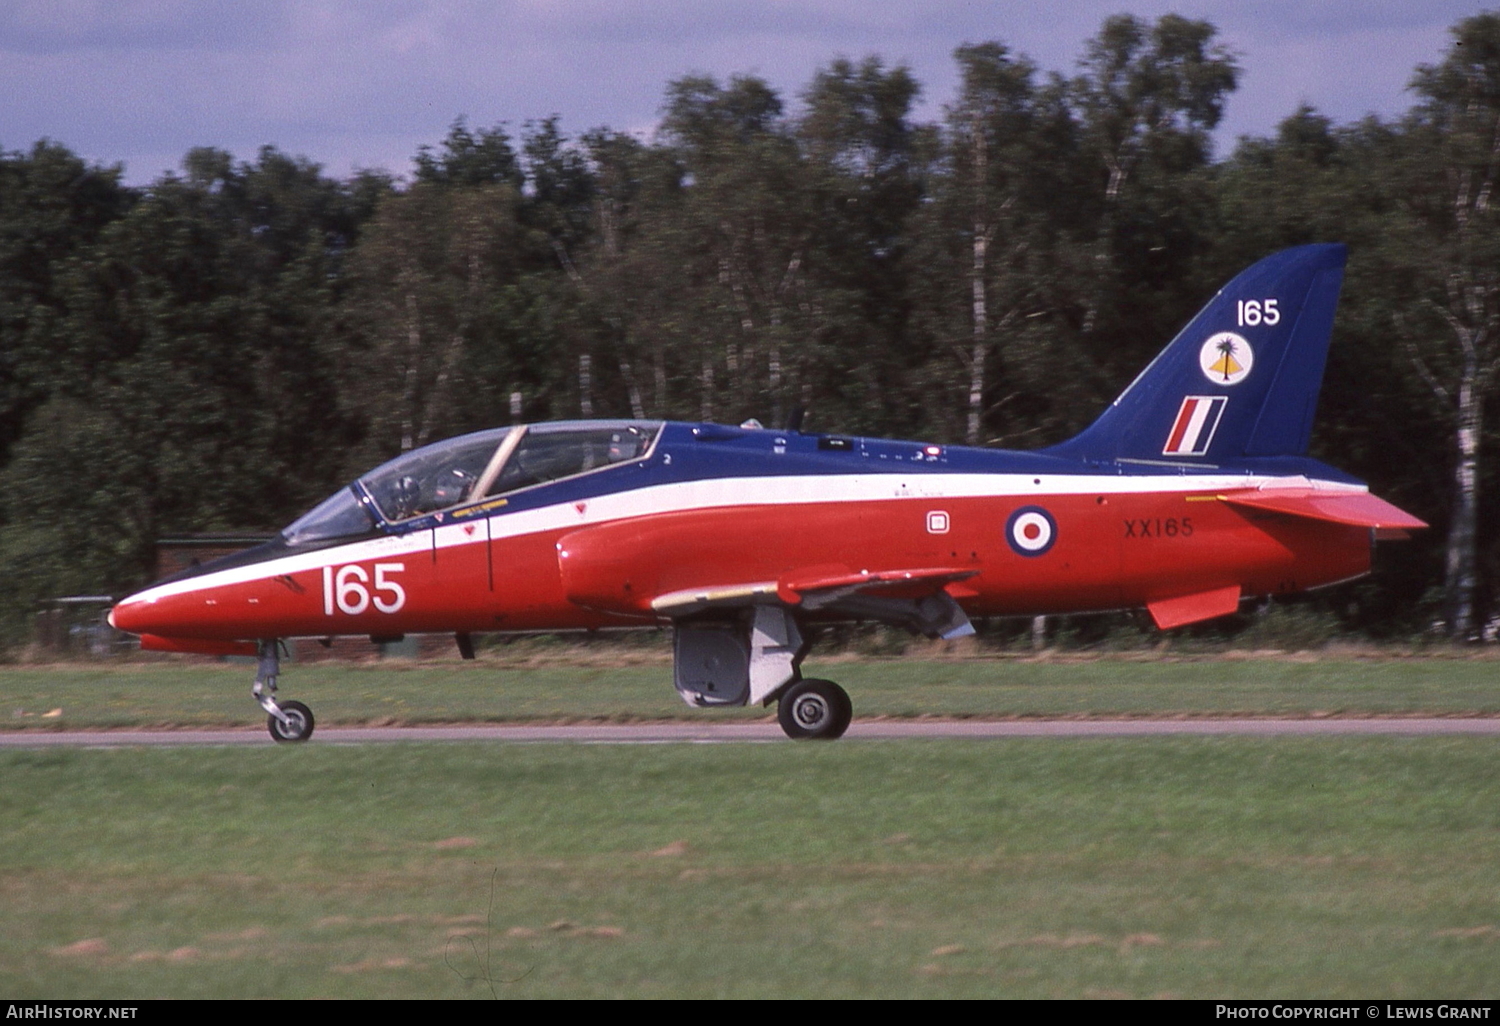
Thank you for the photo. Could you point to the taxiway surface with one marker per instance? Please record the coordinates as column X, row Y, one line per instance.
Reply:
column 700, row 733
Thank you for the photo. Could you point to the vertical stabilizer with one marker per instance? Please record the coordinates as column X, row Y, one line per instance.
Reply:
column 1240, row 380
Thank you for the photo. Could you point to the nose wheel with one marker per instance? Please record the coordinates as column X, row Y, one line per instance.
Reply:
column 298, row 725
column 814, row 710
column 287, row 721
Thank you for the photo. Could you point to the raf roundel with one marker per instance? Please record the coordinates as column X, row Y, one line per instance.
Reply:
column 1031, row 531
column 1226, row 358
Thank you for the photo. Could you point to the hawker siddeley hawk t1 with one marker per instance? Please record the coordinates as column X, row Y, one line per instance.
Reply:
column 1190, row 494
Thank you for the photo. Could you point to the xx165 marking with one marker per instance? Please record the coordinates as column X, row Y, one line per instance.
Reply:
column 1160, row 527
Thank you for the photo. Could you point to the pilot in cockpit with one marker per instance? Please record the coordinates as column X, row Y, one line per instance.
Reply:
column 451, row 487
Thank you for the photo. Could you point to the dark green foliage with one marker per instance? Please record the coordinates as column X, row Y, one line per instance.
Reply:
column 467, row 160
column 219, row 350
column 52, row 205
column 187, row 373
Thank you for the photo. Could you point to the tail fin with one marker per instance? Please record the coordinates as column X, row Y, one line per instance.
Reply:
column 1240, row 380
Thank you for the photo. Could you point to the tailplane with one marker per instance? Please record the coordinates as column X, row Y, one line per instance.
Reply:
column 1241, row 380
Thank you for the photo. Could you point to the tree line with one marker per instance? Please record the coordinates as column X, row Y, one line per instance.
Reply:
column 221, row 348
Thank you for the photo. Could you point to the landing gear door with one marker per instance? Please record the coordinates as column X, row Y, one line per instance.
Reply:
column 719, row 662
column 711, row 664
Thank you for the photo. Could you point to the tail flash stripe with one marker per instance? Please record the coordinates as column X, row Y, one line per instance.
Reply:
column 1200, row 419
column 1195, row 425
column 1184, row 418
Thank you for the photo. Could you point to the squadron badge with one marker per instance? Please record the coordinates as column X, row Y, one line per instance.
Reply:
column 1226, row 358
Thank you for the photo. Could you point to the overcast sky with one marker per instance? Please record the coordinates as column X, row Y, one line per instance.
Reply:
column 363, row 83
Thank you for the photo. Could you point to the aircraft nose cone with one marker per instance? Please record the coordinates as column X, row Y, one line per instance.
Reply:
column 148, row 613
column 130, row 615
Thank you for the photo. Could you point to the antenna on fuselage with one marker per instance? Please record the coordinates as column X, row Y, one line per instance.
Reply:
column 794, row 422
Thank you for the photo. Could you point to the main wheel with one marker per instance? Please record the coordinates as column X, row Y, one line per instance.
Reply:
column 299, row 725
column 814, row 710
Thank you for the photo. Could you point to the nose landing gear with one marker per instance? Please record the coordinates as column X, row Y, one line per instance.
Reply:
column 287, row 721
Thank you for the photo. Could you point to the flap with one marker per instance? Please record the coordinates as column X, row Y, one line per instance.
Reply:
column 1357, row 509
column 691, row 600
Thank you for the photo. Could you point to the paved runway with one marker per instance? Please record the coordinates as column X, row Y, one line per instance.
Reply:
column 701, row 733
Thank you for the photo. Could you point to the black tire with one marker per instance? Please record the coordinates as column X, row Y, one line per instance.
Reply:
column 299, row 729
column 814, row 710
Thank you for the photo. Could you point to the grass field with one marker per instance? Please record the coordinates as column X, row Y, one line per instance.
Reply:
column 1223, row 867
column 210, row 694
column 1192, row 867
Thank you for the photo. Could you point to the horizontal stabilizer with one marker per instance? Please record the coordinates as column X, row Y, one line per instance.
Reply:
column 1185, row 609
column 1357, row 509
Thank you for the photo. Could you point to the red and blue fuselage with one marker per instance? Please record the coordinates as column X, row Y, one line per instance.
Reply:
column 710, row 506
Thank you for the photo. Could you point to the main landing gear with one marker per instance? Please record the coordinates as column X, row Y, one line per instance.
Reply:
column 752, row 657
column 287, row 721
column 814, row 710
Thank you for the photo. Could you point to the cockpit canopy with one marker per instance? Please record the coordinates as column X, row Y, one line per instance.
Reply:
column 470, row 468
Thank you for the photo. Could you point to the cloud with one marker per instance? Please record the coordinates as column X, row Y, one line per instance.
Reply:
column 61, row 26
column 355, row 83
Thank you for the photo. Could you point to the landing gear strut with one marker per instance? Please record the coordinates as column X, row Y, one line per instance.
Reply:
column 288, row 721
column 814, row 710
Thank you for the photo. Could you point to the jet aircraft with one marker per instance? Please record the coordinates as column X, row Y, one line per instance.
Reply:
column 1191, row 493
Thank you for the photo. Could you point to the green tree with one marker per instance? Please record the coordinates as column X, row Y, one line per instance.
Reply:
column 1451, row 241
column 1315, row 181
column 1146, row 101
column 53, row 205
column 425, row 282
column 467, row 159
column 191, row 384
column 990, row 240
column 865, row 170
column 740, row 234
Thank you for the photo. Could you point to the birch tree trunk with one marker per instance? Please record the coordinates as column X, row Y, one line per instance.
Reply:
column 585, row 386
column 977, row 273
column 1460, row 574
column 637, row 409
column 706, row 382
column 413, row 370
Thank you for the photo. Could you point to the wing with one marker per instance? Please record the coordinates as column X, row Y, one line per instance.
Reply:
column 679, row 565
column 919, row 598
